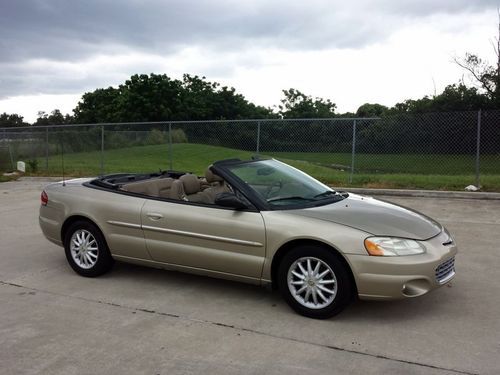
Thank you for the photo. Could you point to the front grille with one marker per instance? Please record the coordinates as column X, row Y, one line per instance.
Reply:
column 445, row 271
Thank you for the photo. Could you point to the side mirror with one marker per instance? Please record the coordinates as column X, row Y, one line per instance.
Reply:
column 230, row 200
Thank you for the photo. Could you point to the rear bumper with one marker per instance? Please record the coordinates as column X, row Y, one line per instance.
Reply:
column 51, row 228
column 390, row 278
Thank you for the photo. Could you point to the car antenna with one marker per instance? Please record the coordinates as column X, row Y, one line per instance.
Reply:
column 62, row 159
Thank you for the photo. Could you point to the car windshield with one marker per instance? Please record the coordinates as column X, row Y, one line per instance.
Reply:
column 281, row 185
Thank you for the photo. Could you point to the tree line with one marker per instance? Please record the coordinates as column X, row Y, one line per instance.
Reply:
column 411, row 126
column 157, row 97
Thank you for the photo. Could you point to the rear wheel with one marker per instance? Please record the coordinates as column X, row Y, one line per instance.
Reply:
column 86, row 249
column 314, row 282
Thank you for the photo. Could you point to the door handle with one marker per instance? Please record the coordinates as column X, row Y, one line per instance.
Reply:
column 154, row 215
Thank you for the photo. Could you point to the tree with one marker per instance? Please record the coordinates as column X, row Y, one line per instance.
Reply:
column 147, row 98
column 97, row 106
column 371, row 110
column 298, row 105
column 11, row 120
column 485, row 75
column 456, row 97
column 204, row 100
column 54, row 118
column 157, row 97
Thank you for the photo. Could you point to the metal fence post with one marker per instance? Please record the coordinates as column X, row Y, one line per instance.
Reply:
column 46, row 149
column 102, row 150
column 478, row 146
column 7, row 142
column 353, row 152
column 170, row 145
column 258, row 138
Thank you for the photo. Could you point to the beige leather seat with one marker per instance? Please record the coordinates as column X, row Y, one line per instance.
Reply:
column 177, row 191
column 164, row 186
column 188, row 187
column 192, row 188
column 156, row 187
column 142, row 187
column 217, row 185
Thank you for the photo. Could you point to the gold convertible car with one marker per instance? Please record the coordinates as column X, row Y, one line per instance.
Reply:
column 256, row 221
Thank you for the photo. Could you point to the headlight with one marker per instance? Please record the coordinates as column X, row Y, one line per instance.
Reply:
column 391, row 246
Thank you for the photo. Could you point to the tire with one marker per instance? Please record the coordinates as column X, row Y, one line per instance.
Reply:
column 319, row 294
column 86, row 249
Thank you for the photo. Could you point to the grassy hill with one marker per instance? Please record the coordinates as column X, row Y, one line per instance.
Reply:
column 379, row 171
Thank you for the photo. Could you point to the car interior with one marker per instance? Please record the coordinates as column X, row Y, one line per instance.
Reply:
column 187, row 187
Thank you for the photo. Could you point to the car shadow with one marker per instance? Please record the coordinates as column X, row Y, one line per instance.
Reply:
column 243, row 295
column 199, row 288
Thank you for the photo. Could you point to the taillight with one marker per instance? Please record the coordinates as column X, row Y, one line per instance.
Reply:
column 44, row 198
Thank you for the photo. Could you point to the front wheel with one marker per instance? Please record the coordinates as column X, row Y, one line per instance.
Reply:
column 86, row 249
column 314, row 282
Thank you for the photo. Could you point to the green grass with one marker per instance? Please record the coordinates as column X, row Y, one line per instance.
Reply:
column 397, row 163
column 421, row 172
column 186, row 157
column 8, row 178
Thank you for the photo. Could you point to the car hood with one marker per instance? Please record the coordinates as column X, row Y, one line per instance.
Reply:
column 376, row 217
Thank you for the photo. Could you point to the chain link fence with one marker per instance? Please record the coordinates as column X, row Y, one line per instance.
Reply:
column 432, row 150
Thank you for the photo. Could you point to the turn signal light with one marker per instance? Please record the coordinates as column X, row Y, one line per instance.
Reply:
column 373, row 248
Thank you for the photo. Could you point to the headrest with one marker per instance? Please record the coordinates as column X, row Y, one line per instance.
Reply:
column 191, row 183
column 211, row 176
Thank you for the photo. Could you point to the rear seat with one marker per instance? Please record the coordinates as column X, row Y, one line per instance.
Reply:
column 188, row 187
column 158, row 187
column 164, row 187
column 142, row 187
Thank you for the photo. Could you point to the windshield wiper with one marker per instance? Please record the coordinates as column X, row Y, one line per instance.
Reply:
column 329, row 194
column 325, row 194
column 295, row 197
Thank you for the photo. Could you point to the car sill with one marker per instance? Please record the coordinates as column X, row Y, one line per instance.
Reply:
column 193, row 270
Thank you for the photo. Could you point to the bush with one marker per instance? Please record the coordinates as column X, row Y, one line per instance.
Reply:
column 158, row 137
column 33, row 165
column 116, row 139
column 178, row 136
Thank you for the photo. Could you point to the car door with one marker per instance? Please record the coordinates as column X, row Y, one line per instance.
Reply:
column 119, row 217
column 205, row 237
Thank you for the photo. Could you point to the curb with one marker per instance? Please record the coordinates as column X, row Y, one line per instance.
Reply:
column 41, row 179
column 425, row 193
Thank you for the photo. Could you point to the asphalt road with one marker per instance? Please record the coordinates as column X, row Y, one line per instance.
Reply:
column 137, row 320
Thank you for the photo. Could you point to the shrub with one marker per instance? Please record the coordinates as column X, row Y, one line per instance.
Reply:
column 157, row 137
column 116, row 139
column 179, row 136
column 33, row 165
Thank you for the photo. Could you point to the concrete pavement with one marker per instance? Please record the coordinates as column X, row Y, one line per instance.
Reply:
column 145, row 321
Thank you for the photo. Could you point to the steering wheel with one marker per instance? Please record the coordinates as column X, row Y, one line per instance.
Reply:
column 270, row 190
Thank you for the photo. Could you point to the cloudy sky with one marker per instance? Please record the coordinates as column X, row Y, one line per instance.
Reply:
column 352, row 52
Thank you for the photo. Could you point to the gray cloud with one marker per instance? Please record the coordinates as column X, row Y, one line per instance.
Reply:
column 419, row 8
column 63, row 29
column 71, row 31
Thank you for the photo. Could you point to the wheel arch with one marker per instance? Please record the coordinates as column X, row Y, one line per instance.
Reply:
column 74, row 218
column 285, row 248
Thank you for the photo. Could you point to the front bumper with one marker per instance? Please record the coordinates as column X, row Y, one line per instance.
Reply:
column 386, row 278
